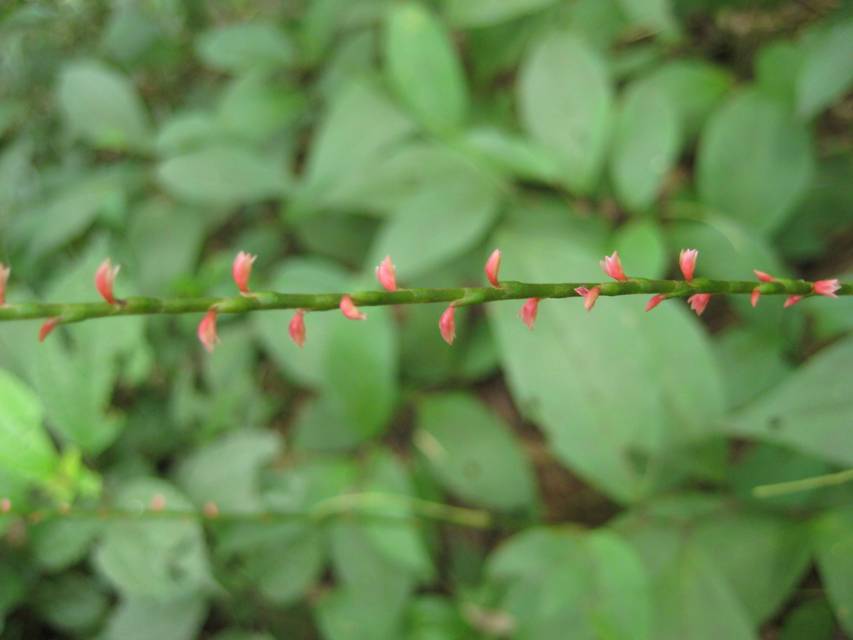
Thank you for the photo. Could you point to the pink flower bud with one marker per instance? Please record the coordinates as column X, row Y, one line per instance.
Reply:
column 297, row 328
column 654, row 301
column 763, row 277
column 687, row 262
column 826, row 288
column 612, row 266
column 48, row 326
column 493, row 265
column 698, row 302
column 447, row 324
column 241, row 270
column 158, row 502
column 386, row 273
column 207, row 331
column 105, row 278
column 790, row 301
column 351, row 311
column 589, row 296
column 4, row 278
column 210, row 509
column 528, row 312
column 754, row 296
column 5, row 505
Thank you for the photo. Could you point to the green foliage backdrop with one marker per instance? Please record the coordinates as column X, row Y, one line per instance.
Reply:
column 590, row 479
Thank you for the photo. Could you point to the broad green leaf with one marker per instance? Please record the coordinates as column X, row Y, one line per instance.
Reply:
column 565, row 103
column 564, row 374
column 102, row 107
column 645, row 145
column 57, row 544
column 513, row 154
column 187, row 131
column 755, row 161
column 423, row 67
column 473, row 453
column 225, row 175
column 284, row 567
column 811, row 620
column 826, row 72
column 72, row 602
column 256, row 107
column 834, row 551
column 482, row 13
column 26, row 451
column 432, row 617
column 245, row 47
column 351, row 614
column 655, row 15
column 810, row 411
column 138, row 618
column 641, row 244
column 752, row 363
column 591, row 583
column 777, row 67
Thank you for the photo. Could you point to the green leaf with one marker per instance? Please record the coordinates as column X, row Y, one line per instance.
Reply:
column 641, row 243
column 256, row 107
column 654, row 15
column 482, row 13
column 58, row 544
column 834, row 551
column 752, row 363
column 350, row 614
column 810, row 411
column 423, row 67
column 433, row 617
column 563, row 374
column 136, row 618
column 645, row 145
column 473, row 453
column 225, row 175
column 811, row 620
column 565, row 103
column 101, row 106
column 515, row 155
column 26, row 451
column 72, row 602
column 826, row 72
column 245, row 47
column 592, row 583
column 755, row 161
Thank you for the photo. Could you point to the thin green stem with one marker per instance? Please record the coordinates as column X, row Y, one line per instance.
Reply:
column 805, row 484
column 268, row 300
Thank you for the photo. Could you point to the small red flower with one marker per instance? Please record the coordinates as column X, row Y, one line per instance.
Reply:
column 493, row 265
column 48, row 326
column 790, row 301
column 754, row 296
column 4, row 278
column 764, row 277
column 241, row 270
column 447, row 324
column 297, row 328
column 698, row 302
column 158, row 502
column 386, row 273
column 589, row 296
column 612, row 266
column 349, row 309
column 210, row 509
column 5, row 505
column 105, row 278
column 529, row 311
column 826, row 288
column 207, row 331
column 654, row 301
column 687, row 262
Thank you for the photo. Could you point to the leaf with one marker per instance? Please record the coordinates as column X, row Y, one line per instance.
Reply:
column 136, row 618
column 245, row 47
column 349, row 614
column 754, row 162
column 834, row 551
column 752, row 363
column 810, row 411
column 645, row 146
column 26, row 451
column 641, row 243
column 565, row 103
column 433, row 617
column 654, row 15
column 811, row 620
column 225, row 175
column 472, row 453
column 513, row 154
column 562, row 375
column 256, row 107
column 826, row 72
column 102, row 107
column 482, row 13
column 423, row 67
column 72, row 602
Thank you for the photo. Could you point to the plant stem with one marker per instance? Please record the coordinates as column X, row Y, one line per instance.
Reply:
column 268, row 300
column 805, row 484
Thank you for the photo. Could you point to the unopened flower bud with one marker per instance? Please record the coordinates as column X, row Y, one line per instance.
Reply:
column 297, row 328
column 612, row 266
column 241, row 270
column 105, row 279
column 4, row 278
column 48, row 326
column 210, row 509
column 698, row 302
column 386, row 273
column 790, row 301
column 654, row 301
column 349, row 309
column 589, row 296
column 528, row 312
column 754, row 296
column 826, row 288
column 687, row 262
column 493, row 265
column 207, row 330
column 762, row 276
column 447, row 324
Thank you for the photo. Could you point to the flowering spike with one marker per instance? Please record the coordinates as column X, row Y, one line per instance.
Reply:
column 655, row 301
column 589, row 296
column 351, row 311
column 297, row 328
column 105, row 278
column 528, row 312
column 698, row 302
column 48, row 326
column 687, row 262
column 158, row 502
column 826, row 287
column 790, row 301
column 241, row 270
column 4, row 278
column 386, row 273
column 612, row 266
column 207, row 330
column 493, row 265
column 447, row 324
column 754, row 296
column 764, row 277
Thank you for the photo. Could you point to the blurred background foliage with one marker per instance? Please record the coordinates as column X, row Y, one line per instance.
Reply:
column 615, row 450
